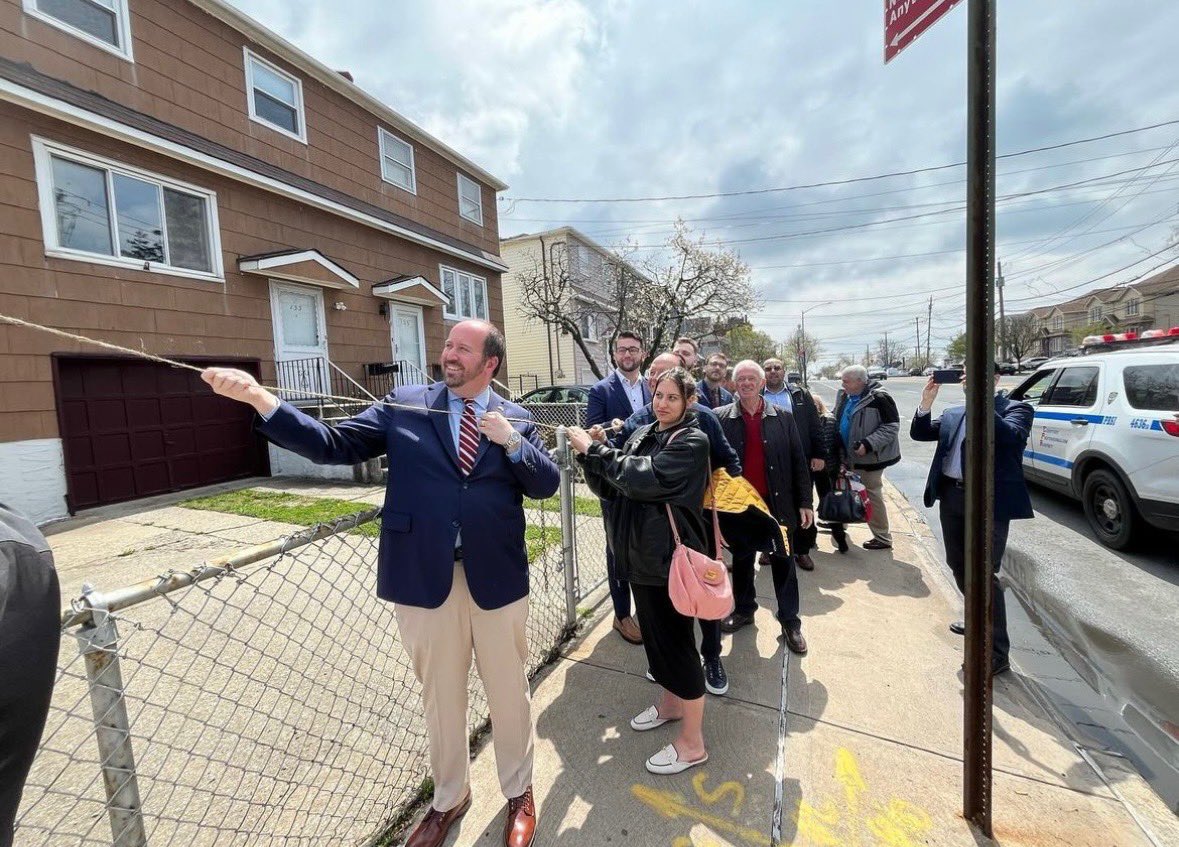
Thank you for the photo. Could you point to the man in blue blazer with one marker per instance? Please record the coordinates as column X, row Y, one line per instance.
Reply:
column 711, row 391
column 947, row 473
column 452, row 554
column 619, row 395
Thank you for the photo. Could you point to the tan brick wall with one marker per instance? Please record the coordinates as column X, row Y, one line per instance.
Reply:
column 174, row 316
column 189, row 71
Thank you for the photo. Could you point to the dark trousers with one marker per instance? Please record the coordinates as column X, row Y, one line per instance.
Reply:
column 619, row 588
column 30, row 631
column 669, row 640
column 710, row 639
column 952, row 513
column 785, row 586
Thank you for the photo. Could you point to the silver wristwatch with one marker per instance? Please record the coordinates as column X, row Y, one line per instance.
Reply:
column 513, row 442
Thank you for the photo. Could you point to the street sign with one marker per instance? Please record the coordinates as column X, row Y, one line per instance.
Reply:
column 905, row 20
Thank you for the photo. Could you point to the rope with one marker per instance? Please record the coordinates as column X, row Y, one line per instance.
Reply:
column 151, row 357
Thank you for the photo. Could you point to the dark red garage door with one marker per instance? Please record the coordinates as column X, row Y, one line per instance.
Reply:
column 132, row 428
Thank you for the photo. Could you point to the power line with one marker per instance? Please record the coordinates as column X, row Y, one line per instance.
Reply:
column 828, row 183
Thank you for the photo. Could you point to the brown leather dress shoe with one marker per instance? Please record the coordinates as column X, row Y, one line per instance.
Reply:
column 520, row 826
column 794, row 640
column 434, row 827
column 805, row 561
column 628, row 628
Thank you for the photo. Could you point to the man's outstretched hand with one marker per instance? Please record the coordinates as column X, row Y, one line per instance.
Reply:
column 240, row 386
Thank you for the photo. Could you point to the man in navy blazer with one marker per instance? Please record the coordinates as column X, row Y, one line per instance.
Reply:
column 947, row 473
column 711, row 391
column 452, row 554
column 619, row 395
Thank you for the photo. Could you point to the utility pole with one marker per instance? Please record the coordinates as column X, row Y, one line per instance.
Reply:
column 1002, row 317
column 928, row 331
column 887, row 352
column 917, row 318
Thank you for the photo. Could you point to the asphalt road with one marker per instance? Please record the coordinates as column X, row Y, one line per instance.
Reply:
column 1113, row 613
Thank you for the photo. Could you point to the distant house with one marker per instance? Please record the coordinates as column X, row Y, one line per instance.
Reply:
column 177, row 178
column 1144, row 304
column 541, row 354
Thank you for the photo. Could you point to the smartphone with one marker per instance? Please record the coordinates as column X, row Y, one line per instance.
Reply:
column 949, row 376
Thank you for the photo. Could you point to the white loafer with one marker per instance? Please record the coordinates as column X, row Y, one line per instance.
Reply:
column 648, row 719
column 667, row 761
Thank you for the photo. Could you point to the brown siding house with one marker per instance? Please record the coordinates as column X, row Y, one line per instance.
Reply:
column 177, row 179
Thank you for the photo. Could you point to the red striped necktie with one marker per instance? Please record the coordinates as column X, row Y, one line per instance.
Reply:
column 468, row 438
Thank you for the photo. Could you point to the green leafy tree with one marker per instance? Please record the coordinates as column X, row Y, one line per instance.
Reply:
column 745, row 342
column 956, row 349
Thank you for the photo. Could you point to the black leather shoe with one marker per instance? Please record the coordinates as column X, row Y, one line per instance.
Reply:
column 958, row 627
column 999, row 666
column 804, row 561
column 876, row 544
column 735, row 622
column 715, row 678
column 794, row 639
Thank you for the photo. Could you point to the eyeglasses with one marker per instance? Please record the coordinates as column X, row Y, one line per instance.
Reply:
column 628, row 349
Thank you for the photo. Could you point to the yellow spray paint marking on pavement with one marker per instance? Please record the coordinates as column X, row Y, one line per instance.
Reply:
column 857, row 821
column 894, row 824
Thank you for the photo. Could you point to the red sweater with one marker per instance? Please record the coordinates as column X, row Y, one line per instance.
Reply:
column 753, row 463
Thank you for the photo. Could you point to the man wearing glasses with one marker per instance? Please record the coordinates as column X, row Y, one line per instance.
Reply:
column 620, row 395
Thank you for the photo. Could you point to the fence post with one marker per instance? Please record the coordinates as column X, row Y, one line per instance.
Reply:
column 568, row 542
column 98, row 642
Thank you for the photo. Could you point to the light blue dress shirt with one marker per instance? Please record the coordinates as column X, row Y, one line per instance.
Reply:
column 634, row 393
column 781, row 399
column 952, row 461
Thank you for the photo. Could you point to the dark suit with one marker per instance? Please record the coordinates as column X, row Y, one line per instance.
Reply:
column 704, row 397
column 1013, row 423
column 608, row 400
column 428, row 500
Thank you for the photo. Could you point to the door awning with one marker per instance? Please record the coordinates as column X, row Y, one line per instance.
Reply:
column 410, row 289
column 309, row 267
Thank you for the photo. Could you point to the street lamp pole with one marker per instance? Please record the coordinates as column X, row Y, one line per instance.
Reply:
column 802, row 341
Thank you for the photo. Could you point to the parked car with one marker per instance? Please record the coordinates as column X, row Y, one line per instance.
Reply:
column 929, row 371
column 794, row 378
column 914, row 371
column 895, row 372
column 1034, row 362
column 1106, row 432
column 877, row 373
column 557, row 394
column 1006, row 368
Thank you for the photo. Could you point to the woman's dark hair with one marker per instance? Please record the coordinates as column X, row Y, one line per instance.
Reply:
column 684, row 382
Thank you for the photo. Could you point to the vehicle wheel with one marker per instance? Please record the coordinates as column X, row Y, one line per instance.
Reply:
column 1109, row 509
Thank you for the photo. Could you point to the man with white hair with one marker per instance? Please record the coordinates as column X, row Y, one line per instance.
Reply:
column 868, row 429
column 774, row 462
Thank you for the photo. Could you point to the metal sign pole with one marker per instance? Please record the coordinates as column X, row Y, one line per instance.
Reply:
column 980, row 409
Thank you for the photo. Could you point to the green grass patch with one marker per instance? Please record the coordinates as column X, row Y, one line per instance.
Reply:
column 285, row 507
column 540, row 538
column 588, row 506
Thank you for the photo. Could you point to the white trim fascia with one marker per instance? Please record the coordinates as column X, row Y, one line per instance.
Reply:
column 59, row 109
column 269, row 262
column 122, row 16
column 391, row 290
column 382, row 155
column 311, row 66
column 44, row 148
column 249, row 56
column 459, row 177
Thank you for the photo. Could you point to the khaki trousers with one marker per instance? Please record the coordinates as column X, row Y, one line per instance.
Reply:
column 874, row 482
column 440, row 642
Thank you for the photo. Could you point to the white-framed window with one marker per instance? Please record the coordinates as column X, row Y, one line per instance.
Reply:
column 466, row 294
column 97, row 210
column 588, row 323
column 397, row 161
column 1095, row 313
column 1058, row 323
column 470, row 198
column 1133, row 306
column 274, row 97
column 104, row 23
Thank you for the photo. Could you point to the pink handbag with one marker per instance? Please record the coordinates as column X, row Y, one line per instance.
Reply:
column 699, row 586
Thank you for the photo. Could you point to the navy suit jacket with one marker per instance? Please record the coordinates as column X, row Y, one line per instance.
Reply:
column 428, row 500
column 608, row 400
column 1013, row 423
column 703, row 399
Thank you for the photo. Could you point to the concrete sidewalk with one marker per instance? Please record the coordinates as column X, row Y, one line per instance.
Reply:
column 858, row 743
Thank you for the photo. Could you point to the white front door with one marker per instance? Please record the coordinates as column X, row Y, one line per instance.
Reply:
column 408, row 335
column 300, row 339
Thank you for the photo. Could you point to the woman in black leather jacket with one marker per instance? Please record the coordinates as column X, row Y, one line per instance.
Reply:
column 662, row 463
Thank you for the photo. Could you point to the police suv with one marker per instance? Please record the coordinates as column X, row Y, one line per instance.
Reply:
column 1106, row 431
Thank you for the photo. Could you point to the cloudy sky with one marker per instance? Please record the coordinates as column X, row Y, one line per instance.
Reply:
column 615, row 100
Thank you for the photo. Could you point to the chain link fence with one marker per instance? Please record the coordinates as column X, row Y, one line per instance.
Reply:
column 265, row 698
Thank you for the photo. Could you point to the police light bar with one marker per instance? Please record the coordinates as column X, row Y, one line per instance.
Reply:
column 1125, row 337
